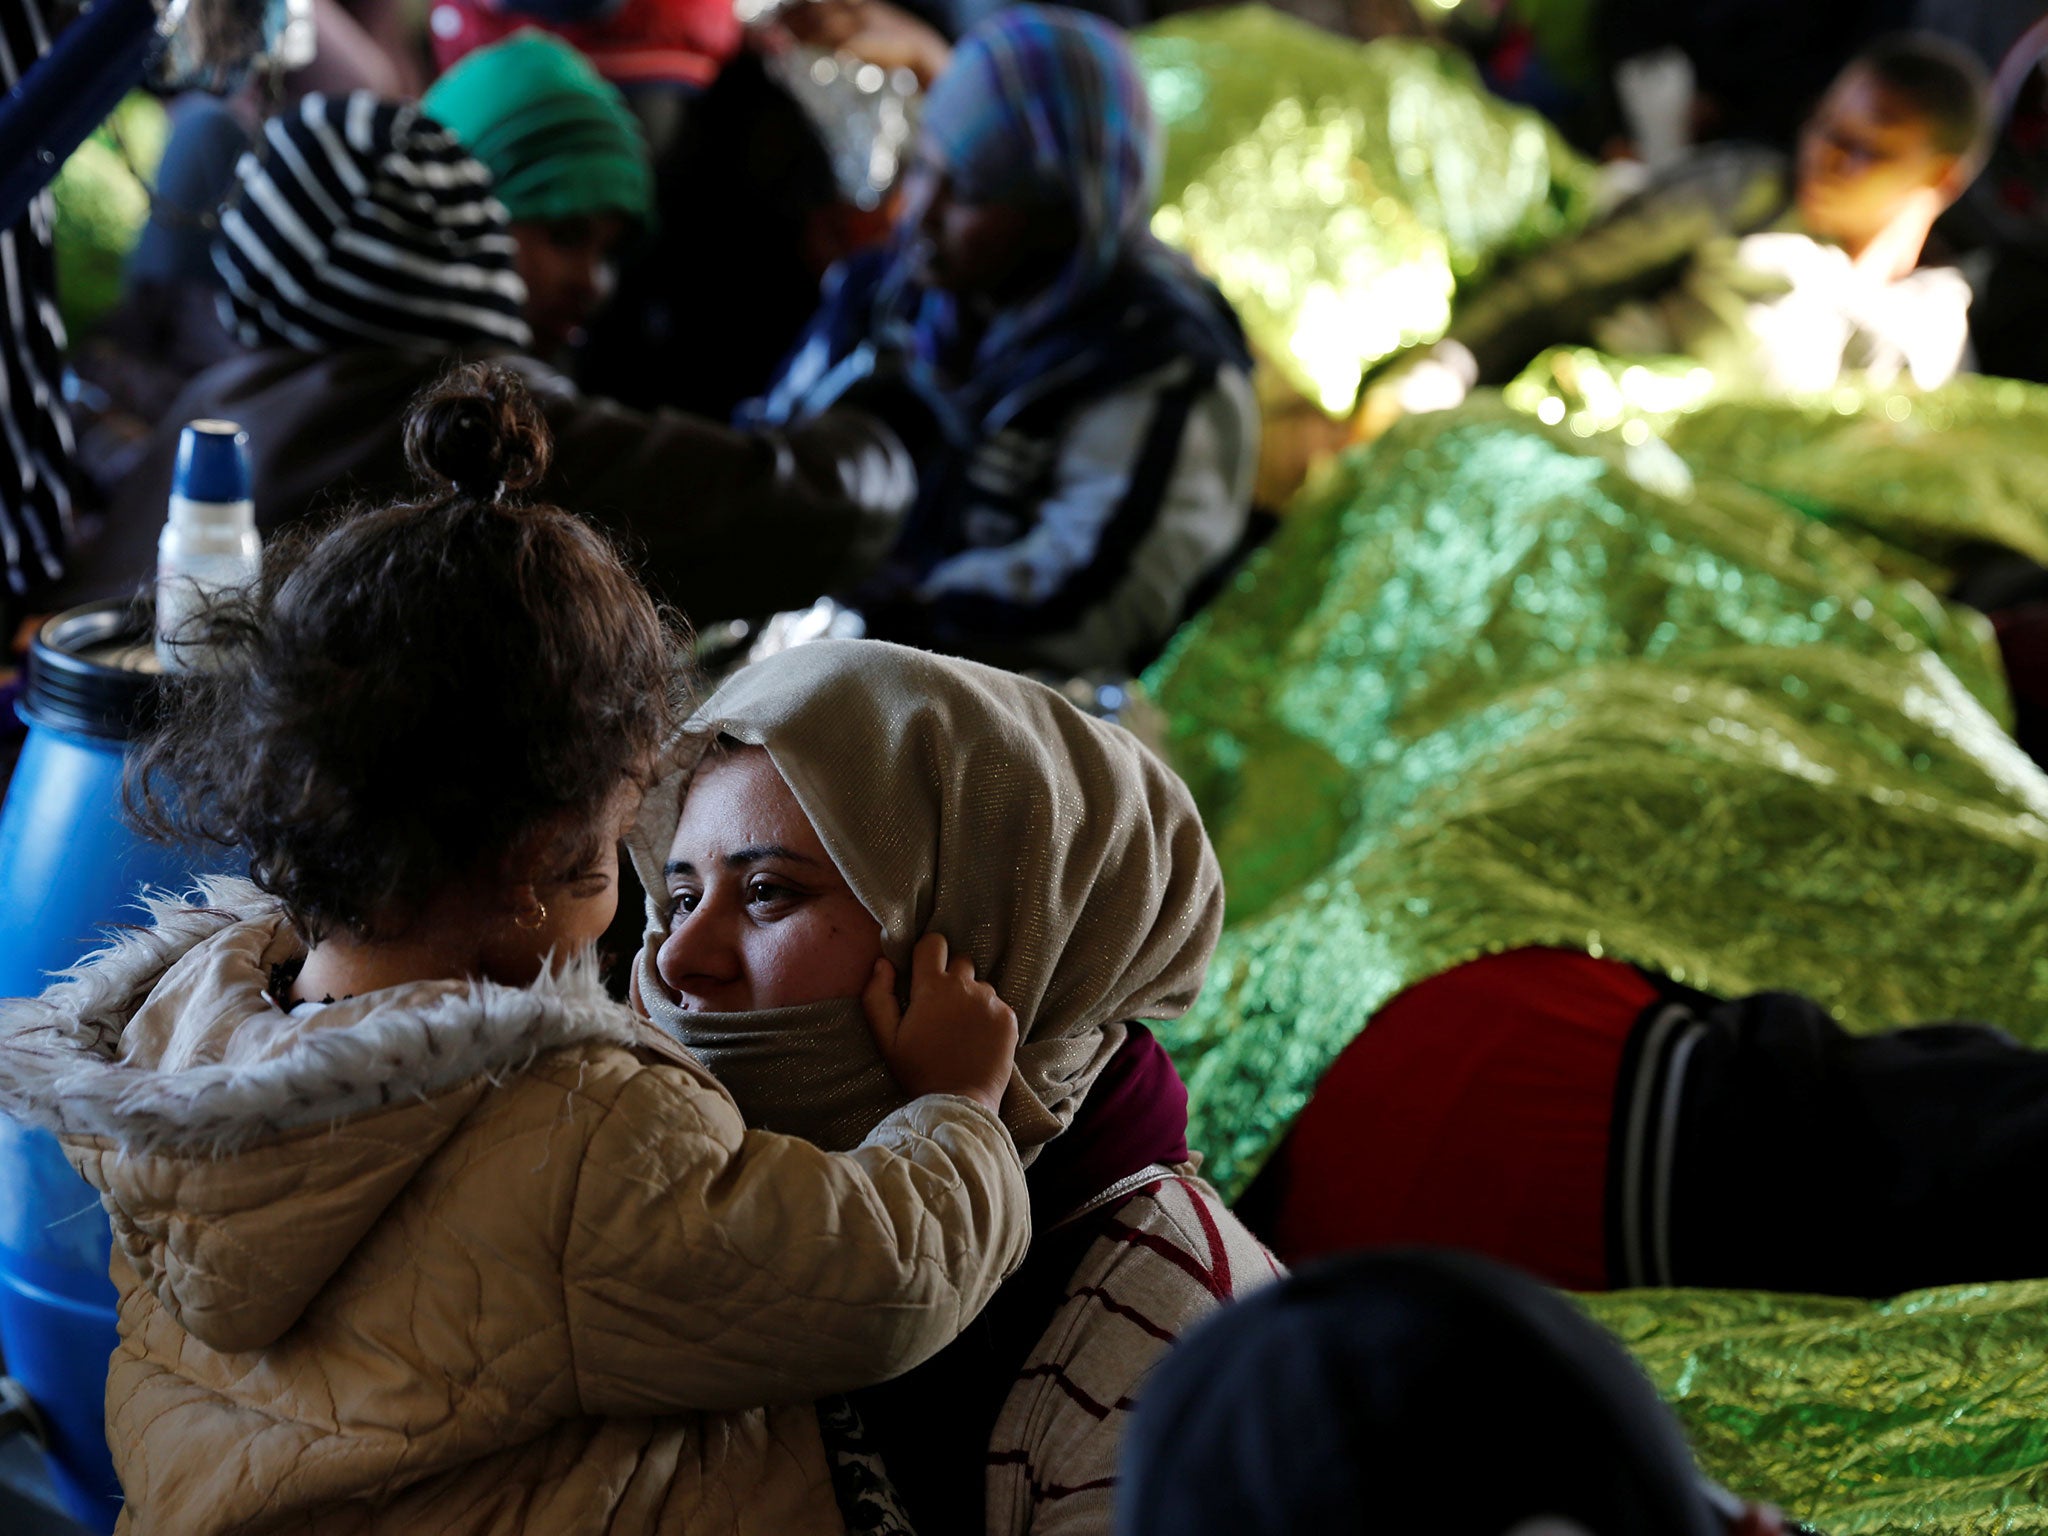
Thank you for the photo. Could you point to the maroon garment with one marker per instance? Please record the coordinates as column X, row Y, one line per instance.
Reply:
column 1471, row 1113
column 1136, row 1114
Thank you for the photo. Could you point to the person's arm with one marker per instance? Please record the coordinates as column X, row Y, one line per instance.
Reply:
column 709, row 1266
column 873, row 31
column 1555, row 296
column 712, row 1267
column 726, row 523
column 1921, row 321
column 1152, row 487
column 350, row 56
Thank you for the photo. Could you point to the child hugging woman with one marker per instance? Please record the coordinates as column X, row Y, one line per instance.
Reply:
column 822, row 808
column 415, row 1229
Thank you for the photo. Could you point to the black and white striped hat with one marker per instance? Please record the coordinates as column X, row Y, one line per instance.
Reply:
column 358, row 221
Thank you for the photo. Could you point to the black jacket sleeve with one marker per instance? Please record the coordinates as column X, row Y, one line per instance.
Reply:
column 728, row 523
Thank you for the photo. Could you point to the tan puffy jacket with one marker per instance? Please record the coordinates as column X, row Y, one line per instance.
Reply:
column 458, row 1258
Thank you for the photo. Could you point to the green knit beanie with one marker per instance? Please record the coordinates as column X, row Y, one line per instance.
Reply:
column 558, row 137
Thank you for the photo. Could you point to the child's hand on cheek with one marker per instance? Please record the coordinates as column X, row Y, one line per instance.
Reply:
column 956, row 1036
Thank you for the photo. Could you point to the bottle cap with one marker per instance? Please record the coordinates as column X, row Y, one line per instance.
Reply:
column 213, row 462
column 91, row 672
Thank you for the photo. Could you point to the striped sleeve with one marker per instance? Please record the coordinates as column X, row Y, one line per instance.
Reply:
column 35, row 427
column 1167, row 1257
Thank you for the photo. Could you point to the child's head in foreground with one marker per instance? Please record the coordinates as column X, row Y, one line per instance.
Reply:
column 432, row 719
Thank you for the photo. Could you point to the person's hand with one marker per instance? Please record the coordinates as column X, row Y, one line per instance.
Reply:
column 956, row 1036
column 1295, row 441
column 1438, row 380
column 872, row 31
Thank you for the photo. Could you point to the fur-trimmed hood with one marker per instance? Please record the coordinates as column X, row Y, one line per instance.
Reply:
column 196, row 1106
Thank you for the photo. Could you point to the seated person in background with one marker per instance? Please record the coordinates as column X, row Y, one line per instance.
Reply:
column 418, row 1229
column 1350, row 1397
column 363, row 251
column 1091, row 434
column 566, row 159
column 772, row 150
column 1775, row 276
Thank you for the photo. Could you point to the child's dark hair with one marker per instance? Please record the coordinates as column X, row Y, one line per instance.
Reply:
column 1944, row 81
column 414, row 694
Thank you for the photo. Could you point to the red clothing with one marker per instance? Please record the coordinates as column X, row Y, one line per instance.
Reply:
column 1472, row 1113
column 660, row 42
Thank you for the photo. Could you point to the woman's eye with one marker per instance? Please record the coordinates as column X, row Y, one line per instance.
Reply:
column 684, row 901
column 766, row 893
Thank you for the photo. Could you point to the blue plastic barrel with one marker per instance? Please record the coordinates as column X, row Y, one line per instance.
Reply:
column 68, row 868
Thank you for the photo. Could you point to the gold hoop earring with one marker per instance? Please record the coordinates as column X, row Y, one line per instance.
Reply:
column 534, row 918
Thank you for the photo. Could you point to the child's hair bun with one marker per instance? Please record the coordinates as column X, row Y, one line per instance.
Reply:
column 477, row 433
column 419, row 695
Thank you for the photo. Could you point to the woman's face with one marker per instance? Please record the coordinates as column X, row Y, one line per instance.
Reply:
column 575, row 902
column 992, row 250
column 567, row 266
column 761, row 916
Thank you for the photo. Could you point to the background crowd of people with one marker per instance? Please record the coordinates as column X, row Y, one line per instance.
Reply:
column 686, row 242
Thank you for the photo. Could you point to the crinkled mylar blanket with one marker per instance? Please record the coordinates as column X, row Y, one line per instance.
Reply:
column 1497, row 683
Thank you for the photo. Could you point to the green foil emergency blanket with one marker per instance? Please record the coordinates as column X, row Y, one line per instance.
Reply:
column 1930, row 474
column 1496, row 684
column 1340, row 192
column 1921, row 478
column 1487, row 688
column 1925, row 1414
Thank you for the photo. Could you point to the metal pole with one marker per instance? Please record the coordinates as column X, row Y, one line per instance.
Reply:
column 67, row 93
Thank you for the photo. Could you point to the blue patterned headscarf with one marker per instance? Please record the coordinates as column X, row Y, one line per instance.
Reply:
column 1042, row 103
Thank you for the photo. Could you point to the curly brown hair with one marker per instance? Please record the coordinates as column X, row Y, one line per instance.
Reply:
column 418, row 694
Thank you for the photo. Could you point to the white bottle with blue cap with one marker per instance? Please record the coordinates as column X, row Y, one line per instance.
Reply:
column 209, row 545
